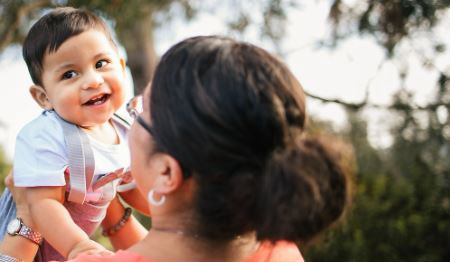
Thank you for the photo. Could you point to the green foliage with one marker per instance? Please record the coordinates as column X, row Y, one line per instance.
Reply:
column 401, row 210
column 388, row 21
column 134, row 22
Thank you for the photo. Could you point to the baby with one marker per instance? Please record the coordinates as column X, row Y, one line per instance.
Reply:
column 78, row 78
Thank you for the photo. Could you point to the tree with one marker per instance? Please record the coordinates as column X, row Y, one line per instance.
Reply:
column 132, row 19
column 401, row 210
column 388, row 21
column 135, row 21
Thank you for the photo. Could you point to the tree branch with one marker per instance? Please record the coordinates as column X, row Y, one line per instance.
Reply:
column 365, row 104
column 17, row 15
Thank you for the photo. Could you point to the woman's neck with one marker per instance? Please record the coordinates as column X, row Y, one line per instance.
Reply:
column 173, row 236
column 167, row 244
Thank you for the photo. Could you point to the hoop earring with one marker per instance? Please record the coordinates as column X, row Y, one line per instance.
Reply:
column 151, row 199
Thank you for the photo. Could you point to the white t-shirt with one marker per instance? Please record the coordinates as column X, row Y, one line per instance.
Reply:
column 40, row 157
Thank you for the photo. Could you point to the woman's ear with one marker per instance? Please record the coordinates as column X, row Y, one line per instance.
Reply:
column 40, row 96
column 170, row 175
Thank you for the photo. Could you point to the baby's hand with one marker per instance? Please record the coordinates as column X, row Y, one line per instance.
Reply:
column 88, row 247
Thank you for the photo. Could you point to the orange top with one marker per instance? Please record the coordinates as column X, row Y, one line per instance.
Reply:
column 282, row 251
column 119, row 256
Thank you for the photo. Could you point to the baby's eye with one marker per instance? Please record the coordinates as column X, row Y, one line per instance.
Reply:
column 69, row 74
column 101, row 63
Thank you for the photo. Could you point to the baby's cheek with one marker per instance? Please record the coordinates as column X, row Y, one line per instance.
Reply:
column 119, row 97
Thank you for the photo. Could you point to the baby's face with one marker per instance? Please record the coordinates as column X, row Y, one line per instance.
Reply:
column 84, row 79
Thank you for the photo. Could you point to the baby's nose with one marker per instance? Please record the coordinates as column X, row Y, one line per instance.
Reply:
column 93, row 80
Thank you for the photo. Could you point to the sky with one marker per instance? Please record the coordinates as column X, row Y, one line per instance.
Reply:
column 344, row 72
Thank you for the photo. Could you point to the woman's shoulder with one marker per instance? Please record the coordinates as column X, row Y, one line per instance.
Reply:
column 280, row 251
column 119, row 256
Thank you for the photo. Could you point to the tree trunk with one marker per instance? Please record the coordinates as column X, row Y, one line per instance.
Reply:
column 139, row 45
column 13, row 13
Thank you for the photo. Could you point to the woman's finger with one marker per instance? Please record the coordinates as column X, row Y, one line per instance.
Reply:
column 9, row 182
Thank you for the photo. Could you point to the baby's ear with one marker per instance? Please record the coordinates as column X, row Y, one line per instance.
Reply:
column 40, row 96
column 123, row 64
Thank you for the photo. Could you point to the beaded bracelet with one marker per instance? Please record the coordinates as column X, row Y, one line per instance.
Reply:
column 123, row 220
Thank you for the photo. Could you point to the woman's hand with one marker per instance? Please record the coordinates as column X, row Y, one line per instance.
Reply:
column 14, row 246
column 18, row 194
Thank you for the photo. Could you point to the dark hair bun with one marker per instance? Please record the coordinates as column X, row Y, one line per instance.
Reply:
column 303, row 191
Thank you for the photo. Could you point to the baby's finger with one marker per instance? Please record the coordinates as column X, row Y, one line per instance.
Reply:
column 99, row 253
column 106, row 253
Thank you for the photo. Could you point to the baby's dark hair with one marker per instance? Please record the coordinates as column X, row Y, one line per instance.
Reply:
column 52, row 30
column 233, row 115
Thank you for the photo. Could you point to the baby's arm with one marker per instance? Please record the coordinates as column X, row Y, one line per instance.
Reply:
column 55, row 223
column 135, row 199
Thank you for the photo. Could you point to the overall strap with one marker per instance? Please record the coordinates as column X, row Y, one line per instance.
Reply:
column 127, row 181
column 81, row 161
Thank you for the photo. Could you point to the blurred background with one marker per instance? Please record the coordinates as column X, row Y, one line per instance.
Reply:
column 376, row 73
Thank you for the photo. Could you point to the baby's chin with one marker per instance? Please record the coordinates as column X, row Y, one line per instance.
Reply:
column 94, row 122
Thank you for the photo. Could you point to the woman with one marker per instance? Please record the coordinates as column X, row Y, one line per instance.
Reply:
column 219, row 151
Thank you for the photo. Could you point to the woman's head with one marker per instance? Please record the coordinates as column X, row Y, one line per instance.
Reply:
column 232, row 103
column 232, row 115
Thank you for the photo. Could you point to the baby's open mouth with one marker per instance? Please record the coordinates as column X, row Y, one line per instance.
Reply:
column 97, row 100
